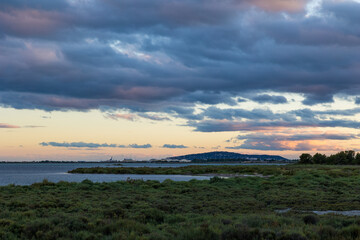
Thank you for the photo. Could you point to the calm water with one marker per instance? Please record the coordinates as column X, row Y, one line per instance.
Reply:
column 29, row 173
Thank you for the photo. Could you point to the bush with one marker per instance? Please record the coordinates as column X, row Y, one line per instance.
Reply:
column 226, row 221
column 35, row 228
column 311, row 219
column 327, row 232
column 215, row 179
column 114, row 213
column 352, row 232
column 292, row 236
column 241, row 233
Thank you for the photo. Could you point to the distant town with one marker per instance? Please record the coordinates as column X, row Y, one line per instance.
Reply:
column 218, row 156
column 208, row 157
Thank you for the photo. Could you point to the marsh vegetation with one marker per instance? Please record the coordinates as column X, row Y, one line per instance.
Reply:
column 234, row 208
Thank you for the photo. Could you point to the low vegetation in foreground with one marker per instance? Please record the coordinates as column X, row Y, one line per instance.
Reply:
column 186, row 170
column 234, row 208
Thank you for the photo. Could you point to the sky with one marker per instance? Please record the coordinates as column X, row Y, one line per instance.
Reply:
column 91, row 79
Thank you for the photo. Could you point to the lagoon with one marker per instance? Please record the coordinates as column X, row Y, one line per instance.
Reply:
column 29, row 173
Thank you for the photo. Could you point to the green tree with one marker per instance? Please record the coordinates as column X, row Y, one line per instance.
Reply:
column 350, row 156
column 319, row 158
column 305, row 158
column 357, row 158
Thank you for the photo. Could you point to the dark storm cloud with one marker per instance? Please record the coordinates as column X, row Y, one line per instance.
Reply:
column 149, row 56
column 183, row 112
column 56, row 5
column 357, row 100
column 306, row 114
column 265, row 98
column 213, row 119
column 173, row 146
column 347, row 10
column 209, row 97
column 232, row 113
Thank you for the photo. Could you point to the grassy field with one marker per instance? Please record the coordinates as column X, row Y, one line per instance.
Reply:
column 187, row 170
column 226, row 169
column 235, row 208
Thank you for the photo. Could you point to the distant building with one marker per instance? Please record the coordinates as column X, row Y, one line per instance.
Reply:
column 185, row 161
column 128, row 160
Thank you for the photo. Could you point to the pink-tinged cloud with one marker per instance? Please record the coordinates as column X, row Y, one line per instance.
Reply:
column 268, row 125
column 4, row 125
column 288, row 146
column 128, row 116
column 41, row 55
column 280, row 5
column 30, row 22
column 133, row 117
column 300, row 141
column 145, row 93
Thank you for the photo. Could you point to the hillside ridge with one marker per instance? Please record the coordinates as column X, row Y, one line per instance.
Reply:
column 224, row 155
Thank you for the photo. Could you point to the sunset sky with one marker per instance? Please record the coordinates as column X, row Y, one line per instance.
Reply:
column 91, row 79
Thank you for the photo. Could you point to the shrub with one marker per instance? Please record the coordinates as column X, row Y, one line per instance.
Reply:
column 215, row 179
column 292, row 236
column 311, row 219
column 114, row 213
column 327, row 232
column 268, row 235
column 226, row 221
column 241, row 233
column 352, row 232
column 33, row 228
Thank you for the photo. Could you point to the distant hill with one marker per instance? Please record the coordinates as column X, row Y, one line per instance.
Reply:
column 218, row 156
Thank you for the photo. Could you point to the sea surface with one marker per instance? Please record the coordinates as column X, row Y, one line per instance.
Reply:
column 29, row 173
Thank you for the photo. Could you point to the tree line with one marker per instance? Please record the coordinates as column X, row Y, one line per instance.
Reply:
column 349, row 157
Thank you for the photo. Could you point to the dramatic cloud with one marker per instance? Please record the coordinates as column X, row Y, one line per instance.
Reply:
column 357, row 100
column 235, row 119
column 226, row 125
column 265, row 98
column 173, row 146
column 232, row 113
column 139, row 54
column 213, row 66
column 281, row 142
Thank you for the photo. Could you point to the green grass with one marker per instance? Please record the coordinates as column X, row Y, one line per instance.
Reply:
column 187, row 170
column 225, row 169
column 235, row 208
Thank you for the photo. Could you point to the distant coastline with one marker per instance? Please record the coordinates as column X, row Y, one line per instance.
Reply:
column 207, row 157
